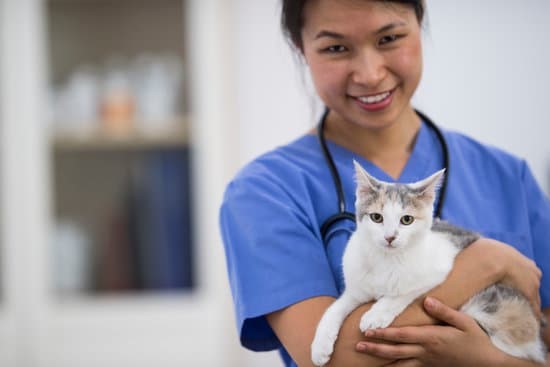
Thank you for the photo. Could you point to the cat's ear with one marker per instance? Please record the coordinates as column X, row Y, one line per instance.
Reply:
column 428, row 187
column 364, row 179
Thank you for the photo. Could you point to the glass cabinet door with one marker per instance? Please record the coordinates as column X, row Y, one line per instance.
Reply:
column 119, row 148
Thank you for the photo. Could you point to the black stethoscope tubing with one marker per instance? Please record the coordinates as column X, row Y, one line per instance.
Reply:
column 342, row 214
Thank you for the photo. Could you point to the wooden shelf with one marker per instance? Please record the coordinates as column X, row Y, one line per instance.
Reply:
column 133, row 140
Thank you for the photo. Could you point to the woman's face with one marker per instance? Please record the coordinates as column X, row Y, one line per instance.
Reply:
column 365, row 58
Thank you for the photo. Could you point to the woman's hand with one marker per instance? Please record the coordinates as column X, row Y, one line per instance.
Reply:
column 517, row 271
column 461, row 343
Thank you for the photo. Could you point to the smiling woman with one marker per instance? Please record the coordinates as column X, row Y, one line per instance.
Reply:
column 365, row 60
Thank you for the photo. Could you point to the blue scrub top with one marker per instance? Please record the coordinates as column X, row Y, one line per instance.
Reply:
column 273, row 210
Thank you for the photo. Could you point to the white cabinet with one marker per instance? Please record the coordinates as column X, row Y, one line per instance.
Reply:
column 38, row 327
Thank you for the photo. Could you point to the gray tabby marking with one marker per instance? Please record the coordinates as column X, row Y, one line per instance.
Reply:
column 460, row 237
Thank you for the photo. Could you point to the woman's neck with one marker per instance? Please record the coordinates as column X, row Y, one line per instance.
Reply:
column 389, row 148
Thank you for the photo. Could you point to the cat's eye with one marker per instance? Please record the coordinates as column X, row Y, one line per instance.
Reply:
column 376, row 217
column 407, row 219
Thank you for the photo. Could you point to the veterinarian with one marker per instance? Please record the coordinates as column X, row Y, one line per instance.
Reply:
column 286, row 216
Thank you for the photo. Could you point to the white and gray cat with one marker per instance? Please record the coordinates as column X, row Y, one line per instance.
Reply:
column 399, row 253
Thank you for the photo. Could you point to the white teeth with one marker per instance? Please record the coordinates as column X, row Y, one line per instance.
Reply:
column 374, row 99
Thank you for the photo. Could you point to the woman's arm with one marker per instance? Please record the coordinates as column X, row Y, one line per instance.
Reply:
column 483, row 263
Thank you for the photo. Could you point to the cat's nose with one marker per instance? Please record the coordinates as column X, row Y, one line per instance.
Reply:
column 390, row 239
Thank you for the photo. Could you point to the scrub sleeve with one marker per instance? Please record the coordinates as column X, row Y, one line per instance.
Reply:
column 539, row 219
column 274, row 255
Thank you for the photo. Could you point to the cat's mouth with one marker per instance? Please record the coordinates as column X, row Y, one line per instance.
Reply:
column 393, row 245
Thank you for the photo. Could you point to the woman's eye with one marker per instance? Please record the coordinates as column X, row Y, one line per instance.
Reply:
column 335, row 49
column 407, row 219
column 388, row 39
column 376, row 217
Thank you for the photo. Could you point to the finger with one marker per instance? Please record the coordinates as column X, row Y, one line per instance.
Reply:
column 538, row 271
column 401, row 335
column 387, row 351
column 405, row 363
column 538, row 310
column 448, row 315
column 535, row 301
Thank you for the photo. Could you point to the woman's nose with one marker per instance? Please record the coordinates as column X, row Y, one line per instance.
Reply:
column 369, row 68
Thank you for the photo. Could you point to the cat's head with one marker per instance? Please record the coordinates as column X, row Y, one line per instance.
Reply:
column 391, row 215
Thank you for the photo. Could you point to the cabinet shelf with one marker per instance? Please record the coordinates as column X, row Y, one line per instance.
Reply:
column 174, row 138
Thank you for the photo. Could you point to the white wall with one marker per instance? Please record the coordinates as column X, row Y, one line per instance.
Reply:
column 273, row 103
column 485, row 75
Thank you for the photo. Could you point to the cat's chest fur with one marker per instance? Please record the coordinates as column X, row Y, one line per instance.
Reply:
column 376, row 272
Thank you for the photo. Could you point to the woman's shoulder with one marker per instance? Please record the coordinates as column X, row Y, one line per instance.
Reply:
column 478, row 153
column 282, row 166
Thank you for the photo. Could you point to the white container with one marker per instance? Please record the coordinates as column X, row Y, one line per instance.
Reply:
column 71, row 258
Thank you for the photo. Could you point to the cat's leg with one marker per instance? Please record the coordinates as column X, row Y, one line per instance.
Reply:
column 385, row 310
column 329, row 326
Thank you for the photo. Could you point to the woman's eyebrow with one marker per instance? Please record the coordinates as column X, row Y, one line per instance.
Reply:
column 329, row 34
column 390, row 26
column 387, row 27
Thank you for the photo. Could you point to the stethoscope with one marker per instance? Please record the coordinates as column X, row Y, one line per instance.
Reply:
column 342, row 214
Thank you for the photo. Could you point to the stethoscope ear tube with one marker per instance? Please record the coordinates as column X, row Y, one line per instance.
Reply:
column 342, row 214
column 330, row 162
column 445, row 151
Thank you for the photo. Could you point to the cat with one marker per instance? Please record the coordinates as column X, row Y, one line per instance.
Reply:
column 398, row 253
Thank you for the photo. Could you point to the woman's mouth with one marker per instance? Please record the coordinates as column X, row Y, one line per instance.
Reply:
column 375, row 102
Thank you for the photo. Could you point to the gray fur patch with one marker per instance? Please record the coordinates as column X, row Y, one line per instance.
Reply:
column 403, row 195
column 460, row 237
column 490, row 300
column 372, row 198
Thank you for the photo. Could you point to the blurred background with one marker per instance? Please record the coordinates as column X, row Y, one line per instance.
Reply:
column 121, row 122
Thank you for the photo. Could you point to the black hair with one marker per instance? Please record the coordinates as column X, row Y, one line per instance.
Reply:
column 292, row 17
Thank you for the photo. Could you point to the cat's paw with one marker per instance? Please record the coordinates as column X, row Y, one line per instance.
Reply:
column 375, row 320
column 321, row 349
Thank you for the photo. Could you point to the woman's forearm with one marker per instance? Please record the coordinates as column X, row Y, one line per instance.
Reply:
column 296, row 324
column 475, row 268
